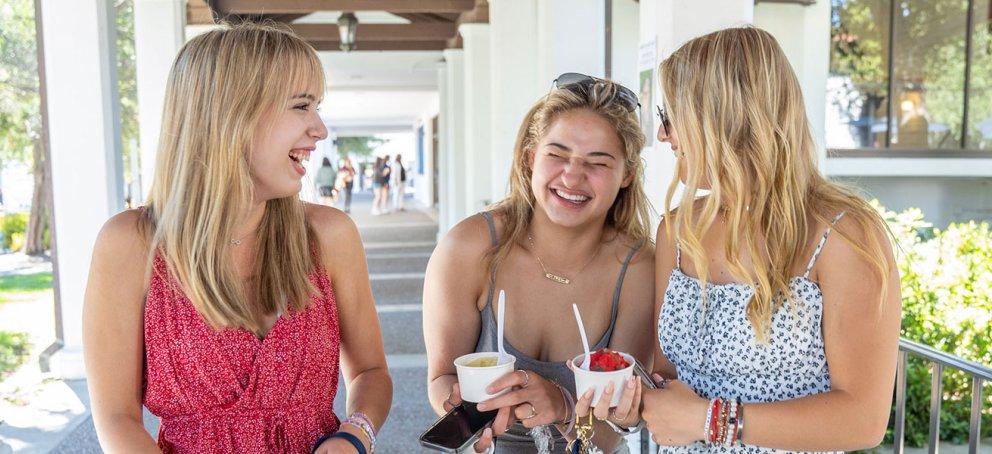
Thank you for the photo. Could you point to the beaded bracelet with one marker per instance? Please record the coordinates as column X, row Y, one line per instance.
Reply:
column 362, row 421
column 708, row 427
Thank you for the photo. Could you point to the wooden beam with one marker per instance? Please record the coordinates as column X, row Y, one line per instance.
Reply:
column 309, row 6
column 477, row 15
column 333, row 46
column 198, row 13
column 379, row 32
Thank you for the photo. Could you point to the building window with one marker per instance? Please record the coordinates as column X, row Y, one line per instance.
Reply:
column 936, row 75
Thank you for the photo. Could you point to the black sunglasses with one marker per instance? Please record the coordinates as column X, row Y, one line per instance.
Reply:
column 572, row 81
column 666, row 122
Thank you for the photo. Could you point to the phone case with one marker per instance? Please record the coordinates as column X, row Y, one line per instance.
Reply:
column 435, row 447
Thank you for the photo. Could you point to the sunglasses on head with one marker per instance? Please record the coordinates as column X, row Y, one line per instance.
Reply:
column 666, row 123
column 572, row 81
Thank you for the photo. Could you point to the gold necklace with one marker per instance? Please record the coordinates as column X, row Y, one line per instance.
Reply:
column 557, row 277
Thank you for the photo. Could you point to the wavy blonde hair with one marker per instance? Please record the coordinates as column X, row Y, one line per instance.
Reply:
column 738, row 110
column 220, row 85
column 630, row 212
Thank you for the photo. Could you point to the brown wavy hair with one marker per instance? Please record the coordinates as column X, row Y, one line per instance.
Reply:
column 630, row 213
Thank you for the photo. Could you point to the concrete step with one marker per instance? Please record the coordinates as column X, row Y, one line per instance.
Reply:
column 404, row 288
column 414, row 231
column 398, row 264
column 398, row 248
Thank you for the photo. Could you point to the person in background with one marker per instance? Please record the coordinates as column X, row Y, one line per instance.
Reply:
column 377, row 186
column 346, row 182
column 384, row 172
column 324, row 180
column 398, row 183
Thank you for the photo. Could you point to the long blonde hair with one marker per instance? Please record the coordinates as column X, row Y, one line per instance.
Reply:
column 738, row 111
column 629, row 214
column 220, row 85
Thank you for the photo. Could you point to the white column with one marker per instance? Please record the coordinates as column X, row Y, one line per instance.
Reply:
column 625, row 37
column 158, row 35
column 671, row 23
column 84, row 133
column 454, row 157
column 475, row 39
column 571, row 38
column 515, row 85
column 444, row 147
column 804, row 34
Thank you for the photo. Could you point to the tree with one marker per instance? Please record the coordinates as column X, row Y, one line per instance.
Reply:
column 358, row 146
column 20, row 118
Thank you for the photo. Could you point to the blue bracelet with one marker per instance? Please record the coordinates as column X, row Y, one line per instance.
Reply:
column 344, row 435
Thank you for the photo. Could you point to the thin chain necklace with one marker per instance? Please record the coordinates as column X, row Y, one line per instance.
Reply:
column 237, row 241
column 557, row 277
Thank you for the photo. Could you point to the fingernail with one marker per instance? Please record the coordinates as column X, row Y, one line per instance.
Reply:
column 589, row 393
column 631, row 383
column 610, row 387
column 482, row 406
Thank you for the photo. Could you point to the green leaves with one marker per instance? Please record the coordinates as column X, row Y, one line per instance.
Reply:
column 946, row 278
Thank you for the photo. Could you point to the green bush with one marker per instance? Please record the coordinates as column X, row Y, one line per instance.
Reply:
column 14, row 351
column 946, row 304
column 11, row 224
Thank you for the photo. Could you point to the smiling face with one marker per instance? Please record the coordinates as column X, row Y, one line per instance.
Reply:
column 285, row 137
column 578, row 169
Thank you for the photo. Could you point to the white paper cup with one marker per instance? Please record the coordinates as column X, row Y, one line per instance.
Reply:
column 585, row 379
column 472, row 381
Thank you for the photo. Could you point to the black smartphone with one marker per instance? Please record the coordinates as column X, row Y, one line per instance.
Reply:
column 457, row 429
column 645, row 377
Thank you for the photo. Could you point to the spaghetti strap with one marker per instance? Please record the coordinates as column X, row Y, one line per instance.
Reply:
column 819, row 246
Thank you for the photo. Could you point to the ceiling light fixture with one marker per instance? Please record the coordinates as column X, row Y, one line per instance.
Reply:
column 348, row 28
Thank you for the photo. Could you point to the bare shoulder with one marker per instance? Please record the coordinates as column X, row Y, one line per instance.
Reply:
column 125, row 237
column 327, row 220
column 839, row 251
column 468, row 240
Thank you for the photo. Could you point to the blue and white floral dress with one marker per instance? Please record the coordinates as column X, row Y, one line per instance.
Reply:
column 715, row 351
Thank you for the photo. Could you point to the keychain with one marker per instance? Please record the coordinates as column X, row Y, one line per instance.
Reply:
column 582, row 444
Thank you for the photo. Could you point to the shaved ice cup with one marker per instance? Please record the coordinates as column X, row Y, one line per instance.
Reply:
column 586, row 379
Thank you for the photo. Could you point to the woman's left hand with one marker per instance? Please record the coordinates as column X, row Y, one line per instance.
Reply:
column 675, row 415
column 534, row 400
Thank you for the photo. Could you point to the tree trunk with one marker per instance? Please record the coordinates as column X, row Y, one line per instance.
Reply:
column 38, row 221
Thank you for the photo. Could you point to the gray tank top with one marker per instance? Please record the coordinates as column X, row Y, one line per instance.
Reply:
column 516, row 440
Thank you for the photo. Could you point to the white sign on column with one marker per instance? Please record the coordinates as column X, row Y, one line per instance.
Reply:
column 84, row 133
column 158, row 35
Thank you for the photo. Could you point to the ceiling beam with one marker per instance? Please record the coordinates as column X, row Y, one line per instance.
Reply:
column 333, row 46
column 479, row 14
column 309, row 6
column 426, row 31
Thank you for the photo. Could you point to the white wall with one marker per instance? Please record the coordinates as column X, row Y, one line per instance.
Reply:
column 942, row 199
column 423, row 183
column 804, row 34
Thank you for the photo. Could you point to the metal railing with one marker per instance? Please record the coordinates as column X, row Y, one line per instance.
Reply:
column 980, row 374
column 938, row 360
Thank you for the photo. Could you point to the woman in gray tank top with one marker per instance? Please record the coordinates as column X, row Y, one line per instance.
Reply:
column 574, row 229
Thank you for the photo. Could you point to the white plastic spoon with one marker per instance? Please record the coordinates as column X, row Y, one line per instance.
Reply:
column 582, row 333
column 500, row 318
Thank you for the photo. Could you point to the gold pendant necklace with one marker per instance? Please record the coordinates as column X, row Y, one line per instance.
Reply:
column 557, row 277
